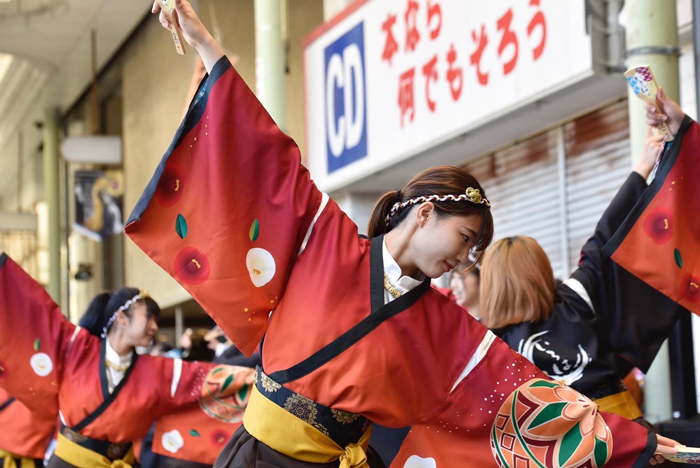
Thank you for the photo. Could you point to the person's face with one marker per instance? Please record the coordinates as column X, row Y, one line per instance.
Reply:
column 442, row 242
column 470, row 284
column 139, row 329
column 457, row 288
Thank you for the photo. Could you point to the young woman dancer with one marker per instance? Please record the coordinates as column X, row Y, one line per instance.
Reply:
column 356, row 333
column 107, row 395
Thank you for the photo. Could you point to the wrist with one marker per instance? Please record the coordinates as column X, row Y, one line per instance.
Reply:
column 644, row 170
column 205, row 43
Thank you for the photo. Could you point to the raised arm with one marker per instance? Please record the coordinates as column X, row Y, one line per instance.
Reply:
column 632, row 316
column 194, row 31
column 34, row 337
column 229, row 208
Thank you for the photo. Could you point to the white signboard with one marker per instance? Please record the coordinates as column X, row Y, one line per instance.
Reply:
column 389, row 79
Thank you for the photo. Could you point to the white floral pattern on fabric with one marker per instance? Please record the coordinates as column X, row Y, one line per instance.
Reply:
column 41, row 363
column 261, row 266
column 172, row 441
column 417, row 462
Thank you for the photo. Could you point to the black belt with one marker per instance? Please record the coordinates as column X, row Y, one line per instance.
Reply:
column 105, row 448
column 343, row 427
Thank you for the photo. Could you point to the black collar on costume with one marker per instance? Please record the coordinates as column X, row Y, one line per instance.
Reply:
column 379, row 314
column 108, row 397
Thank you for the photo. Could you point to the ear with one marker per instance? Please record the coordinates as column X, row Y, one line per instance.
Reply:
column 121, row 318
column 423, row 213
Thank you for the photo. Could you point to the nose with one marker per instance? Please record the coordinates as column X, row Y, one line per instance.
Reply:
column 463, row 256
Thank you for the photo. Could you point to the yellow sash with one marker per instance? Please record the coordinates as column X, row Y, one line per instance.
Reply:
column 289, row 435
column 74, row 454
column 621, row 404
column 9, row 460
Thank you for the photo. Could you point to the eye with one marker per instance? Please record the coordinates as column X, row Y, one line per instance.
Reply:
column 466, row 238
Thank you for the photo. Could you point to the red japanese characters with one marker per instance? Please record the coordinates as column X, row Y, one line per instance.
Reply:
column 422, row 26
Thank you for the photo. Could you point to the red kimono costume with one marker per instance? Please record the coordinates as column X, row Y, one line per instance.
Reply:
column 24, row 435
column 233, row 215
column 665, row 225
column 47, row 362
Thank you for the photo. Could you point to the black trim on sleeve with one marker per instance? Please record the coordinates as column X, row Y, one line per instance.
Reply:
column 192, row 118
column 6, row 404
column 642, row 460
column 667, row 162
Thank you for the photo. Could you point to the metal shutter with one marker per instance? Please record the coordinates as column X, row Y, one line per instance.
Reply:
column 522, row 184
column 597, row 163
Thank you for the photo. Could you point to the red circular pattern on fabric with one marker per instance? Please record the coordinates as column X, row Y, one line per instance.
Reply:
column 171, row 185
column 219, row 437
column 659, row 225
column 192, row 266
column 690, row 288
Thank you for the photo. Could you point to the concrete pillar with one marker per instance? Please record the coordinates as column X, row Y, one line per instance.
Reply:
column 652, row 39
column 51, row 196
column 270, row 58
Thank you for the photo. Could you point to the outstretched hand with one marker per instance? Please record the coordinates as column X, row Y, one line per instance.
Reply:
column 194, row 32
column 666, row 447
column 668, row 111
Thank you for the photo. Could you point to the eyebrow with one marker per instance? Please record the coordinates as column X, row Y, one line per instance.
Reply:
column 472, row 232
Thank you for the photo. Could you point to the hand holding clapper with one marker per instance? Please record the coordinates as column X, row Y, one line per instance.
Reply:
column 642, row 82
column 168, row 7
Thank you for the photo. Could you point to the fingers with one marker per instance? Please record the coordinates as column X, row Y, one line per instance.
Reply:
column 181, row 7
column 164, row 20
column 667, row 444
column 155, row 8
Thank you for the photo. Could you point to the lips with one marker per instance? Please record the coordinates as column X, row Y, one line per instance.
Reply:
column 448, row 266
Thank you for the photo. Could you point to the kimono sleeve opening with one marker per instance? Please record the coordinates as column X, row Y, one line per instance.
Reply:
column 631, row 316
column 229, row 207
column 34, row 336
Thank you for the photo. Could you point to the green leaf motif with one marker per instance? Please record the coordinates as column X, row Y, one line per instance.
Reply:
column 194, row 433
column 217, row 370
column 243, row 392
column 37, row 345
column 679, row 259
column 550, row 412
column 569, row 444
column 227, row 382
column 544, row 383
column 600, row 452
column 254, row 231
column 181, row 226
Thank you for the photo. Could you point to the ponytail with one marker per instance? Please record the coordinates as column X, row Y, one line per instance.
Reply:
column 95, row 317
column 104, row 305
column 440, row 181
column 377, row 222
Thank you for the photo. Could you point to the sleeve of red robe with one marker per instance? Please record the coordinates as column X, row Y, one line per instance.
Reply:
column 23, row 432
column 230, row 182
column 201, row 409
column 658, row 242
column 34, row 337
column 523, row 420
column 632, row 316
